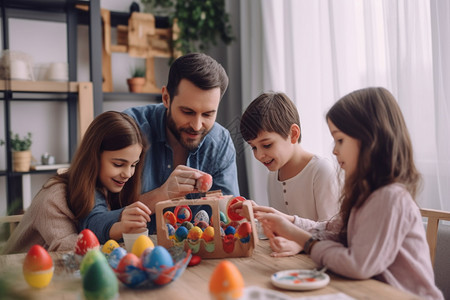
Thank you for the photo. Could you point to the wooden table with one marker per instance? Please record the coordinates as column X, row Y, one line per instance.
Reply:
column 194, row 282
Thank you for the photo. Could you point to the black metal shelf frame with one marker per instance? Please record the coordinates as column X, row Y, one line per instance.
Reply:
column 57, row 11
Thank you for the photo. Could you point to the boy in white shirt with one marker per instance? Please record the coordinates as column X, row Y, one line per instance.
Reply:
column 300, row 184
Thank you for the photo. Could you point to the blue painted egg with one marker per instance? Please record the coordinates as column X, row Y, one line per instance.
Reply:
column 115, row 256
column 170, row 229
column 181, row 233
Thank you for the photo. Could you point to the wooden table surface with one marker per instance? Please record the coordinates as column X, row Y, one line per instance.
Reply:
column 194, row 282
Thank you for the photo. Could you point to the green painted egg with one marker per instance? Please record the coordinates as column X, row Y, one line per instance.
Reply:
column 100, row 282
column 91, row 257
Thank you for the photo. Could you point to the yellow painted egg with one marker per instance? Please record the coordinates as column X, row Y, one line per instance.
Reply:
column 142, row 242
column 109, row 246
column 38, row 267
column 226, row 282
column 208, row 234
column 195, row 233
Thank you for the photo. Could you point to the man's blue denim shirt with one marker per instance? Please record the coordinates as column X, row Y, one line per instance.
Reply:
column 215, row 155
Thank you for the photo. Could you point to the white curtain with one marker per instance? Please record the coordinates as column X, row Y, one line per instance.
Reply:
column 318, row 51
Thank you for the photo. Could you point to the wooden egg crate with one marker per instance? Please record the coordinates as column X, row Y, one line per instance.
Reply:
column 220, row 246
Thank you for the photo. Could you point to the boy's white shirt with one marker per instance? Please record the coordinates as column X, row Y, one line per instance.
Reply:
column 312, row 193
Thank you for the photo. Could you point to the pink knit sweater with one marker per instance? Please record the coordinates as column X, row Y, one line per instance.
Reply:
column 48, row 222
column 386, row 241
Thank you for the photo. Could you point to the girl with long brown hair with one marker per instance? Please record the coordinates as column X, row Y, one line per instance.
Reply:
column 379, row 232
column 98, row 191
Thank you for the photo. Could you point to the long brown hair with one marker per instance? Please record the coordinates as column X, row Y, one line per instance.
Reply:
column 373, row 117
column 109, row 131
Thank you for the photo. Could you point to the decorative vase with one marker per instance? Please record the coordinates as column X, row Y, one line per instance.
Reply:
column 136, row 84
column 21, row 161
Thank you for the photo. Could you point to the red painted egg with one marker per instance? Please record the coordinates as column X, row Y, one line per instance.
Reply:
column 244, row 230
column 204, row 183
column 86, row 241
column 37, row 259
column 38, row 267
column 232, row 215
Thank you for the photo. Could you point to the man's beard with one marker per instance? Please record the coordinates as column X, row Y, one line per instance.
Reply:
column 189, row 144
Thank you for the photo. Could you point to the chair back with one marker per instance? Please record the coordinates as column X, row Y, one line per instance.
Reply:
column 434, row 216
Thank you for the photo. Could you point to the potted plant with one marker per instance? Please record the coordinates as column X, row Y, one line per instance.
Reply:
column 200, row 22
column 21, row 153
column 137, row 81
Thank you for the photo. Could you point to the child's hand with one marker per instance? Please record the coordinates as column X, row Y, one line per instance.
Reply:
column 276, row 225
column 135, row 216
column 283, row 247
column 237, row 207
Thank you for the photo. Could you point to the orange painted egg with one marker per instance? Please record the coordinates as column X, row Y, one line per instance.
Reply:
column 226, row 281
column 38, row 267
column 169, row 218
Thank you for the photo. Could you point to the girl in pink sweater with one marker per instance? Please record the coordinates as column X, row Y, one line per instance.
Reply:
column 379, row 232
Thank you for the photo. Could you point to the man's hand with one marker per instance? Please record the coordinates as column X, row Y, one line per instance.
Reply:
column 181, row 182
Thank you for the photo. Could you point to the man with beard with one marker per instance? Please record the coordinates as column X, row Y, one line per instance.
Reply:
column 185, row 141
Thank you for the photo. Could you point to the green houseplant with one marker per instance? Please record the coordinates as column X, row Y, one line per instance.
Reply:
column 20, row 147
column 137, row 81
column 200, row 22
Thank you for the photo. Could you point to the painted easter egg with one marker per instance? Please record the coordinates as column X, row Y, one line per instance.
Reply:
column 109, row 246
column 181, row 233
column 170, row 218
column 201, row 216
column 208, row 234
column 158, row 259
column 91, row 257
column 115, row 257
column 223, row 218
column 187, row 224
column 202, row 225
column 170, row 229
column 228, row 243
column 226, row 281
column 195, row 260
column 195, row 233
column 244, row 230
column 204, row 183
column 183, row 213
column 142, row 242
column 230, row 230
column 86, row 241
column 38, row 267
column 100, row 282
column 129, row 270
column 232, row 215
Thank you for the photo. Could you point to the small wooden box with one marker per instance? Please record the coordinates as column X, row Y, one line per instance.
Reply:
column 215, row 248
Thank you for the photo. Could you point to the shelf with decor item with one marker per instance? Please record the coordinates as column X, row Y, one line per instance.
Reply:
column 79, row 99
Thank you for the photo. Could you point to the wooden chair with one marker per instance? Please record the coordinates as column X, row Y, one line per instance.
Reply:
column 12, row 220
column 434, row 216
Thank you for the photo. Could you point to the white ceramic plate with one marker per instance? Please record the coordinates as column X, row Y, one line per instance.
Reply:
column 299, row 280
